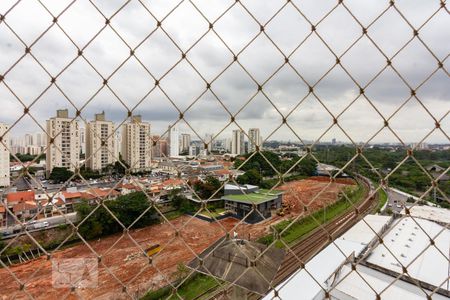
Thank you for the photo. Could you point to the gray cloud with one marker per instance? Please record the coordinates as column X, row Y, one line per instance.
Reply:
column 234, row 87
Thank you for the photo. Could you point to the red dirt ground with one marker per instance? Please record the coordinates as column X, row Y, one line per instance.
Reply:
column 137, row 273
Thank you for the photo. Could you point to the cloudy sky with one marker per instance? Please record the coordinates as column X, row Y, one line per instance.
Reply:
column 209, row 58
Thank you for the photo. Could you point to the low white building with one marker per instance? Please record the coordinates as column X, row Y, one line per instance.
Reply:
column 4, row 156
column 379, row 267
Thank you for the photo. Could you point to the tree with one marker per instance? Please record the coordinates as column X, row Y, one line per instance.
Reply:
column 250, row 177
column 60, row 175
column 120, row 166
column 208, row 188
column 127, row 209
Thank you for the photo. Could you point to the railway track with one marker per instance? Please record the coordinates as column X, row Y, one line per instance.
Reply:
column 316, row 240
column 319, row 238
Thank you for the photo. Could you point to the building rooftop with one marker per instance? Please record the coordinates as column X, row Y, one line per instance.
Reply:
column 409, row 245
column 355, row 284
column 258, row 197
column 20, row 196
column 431, row 213
column 321, row 266
column 247, row 264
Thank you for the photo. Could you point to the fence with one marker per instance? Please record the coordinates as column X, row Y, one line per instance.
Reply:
column 359, row 87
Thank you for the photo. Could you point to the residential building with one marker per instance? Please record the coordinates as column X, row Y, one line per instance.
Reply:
column 4, row 156
column 136, row 144
column 174, row 142
column 237, row 142
column 193, row 150
column 83, row 140
column 185, row 142
column 159, row 146
column 254, row 139
column 209, row 141
column 100, row 143
column 63, row 143
column 250, row 203
column 40, row 139
column 29, row 140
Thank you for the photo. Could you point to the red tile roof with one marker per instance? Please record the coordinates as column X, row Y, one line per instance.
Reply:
column 69, row 195
column 20, row 196
column 24, row 206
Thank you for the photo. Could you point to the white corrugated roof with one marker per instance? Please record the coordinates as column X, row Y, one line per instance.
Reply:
column 409, row 243
column 329, row 259
column 431, row 213
column 354, row 285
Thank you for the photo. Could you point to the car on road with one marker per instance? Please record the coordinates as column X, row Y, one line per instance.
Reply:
column 41, row 225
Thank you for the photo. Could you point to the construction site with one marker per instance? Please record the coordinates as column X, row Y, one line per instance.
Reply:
column 122, row 261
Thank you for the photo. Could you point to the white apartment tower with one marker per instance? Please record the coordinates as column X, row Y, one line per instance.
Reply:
column 237, row 142
column 100, row 142
column 174, row 141
column 137, row 144
column 209, row 140
column 65, row 150
column 4, row 156
column 254, row 139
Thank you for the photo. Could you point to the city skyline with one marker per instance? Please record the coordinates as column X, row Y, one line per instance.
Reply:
column 184, row 86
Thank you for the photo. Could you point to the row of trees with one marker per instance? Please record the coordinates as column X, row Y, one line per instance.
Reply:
column 409, row 176
column 266, row 164
column 127, row 209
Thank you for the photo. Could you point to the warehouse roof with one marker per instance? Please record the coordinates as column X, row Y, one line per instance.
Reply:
column 437, row 214
column 328, row 260
column 409, row 245
column 355, row 284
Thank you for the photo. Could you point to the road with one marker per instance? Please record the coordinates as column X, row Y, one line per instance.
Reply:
column 7, row 232
column 396, row 200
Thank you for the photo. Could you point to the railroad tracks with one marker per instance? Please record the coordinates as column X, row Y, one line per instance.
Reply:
column 306, row 248
column 315, row 241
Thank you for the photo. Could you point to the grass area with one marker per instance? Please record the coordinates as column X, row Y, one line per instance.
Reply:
column 382, row 199
column 261, row 196
column 173, row 214
column 309, row 223
column 189, row 290
column 213, row 212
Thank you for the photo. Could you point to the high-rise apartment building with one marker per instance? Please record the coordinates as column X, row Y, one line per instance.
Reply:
column 254, row 139
column 237, row 142
column 83, row 140
column 40, row 139
column 137, row 144
column 174, row 141
column 4, row 156
column 209, row 140
column 185, row 142
column 63, row 143
column 100, row 143
column 29, row 140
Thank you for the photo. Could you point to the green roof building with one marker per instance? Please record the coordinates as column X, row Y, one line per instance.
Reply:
column 251, row 203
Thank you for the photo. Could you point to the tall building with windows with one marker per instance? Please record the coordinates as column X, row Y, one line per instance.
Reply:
column 174, row 141
column 4, row 156
column 100, row 141
column 137, row 144
column 254, row 139
column 29, row 140
column 237, row 142
column 185, row 142
column 209, row 140
column 63, row 143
